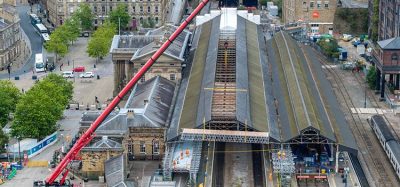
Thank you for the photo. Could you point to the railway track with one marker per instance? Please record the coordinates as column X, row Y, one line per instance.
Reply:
column 370, row 148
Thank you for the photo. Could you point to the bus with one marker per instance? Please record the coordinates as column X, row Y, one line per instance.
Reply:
column 41, row 28
column 45, row 37
column 34, row 19
column 39, row 64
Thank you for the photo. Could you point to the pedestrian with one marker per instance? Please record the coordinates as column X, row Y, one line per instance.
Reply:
column 23, row 91
column 61, row 66
column 68, row 62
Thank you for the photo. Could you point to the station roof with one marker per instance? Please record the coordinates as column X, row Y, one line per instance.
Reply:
column 287, row 100
column 193, row 105
column 148, row 106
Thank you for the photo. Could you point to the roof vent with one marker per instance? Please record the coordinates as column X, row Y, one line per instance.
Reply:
column 104, row 138
column 145, row 101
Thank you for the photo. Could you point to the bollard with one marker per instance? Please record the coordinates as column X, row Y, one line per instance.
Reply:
column 98, row 76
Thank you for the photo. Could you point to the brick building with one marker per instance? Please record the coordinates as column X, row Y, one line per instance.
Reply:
column 318, row 14
column 58, row 11
column 10, row 35
column 389, row 19
column 137, row 130
column 129, row 53
column 387, row 60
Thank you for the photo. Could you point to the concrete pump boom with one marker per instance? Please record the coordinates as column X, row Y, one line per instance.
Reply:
column 89, row 134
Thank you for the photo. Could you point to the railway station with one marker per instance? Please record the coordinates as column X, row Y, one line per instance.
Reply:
column 245, row 101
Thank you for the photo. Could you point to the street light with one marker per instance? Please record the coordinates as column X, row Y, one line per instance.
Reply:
column 365, row 96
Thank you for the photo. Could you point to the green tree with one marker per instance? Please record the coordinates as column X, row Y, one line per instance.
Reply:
column 375, row 21
column 57, row 44
column 85, row 16
column 71, row 30
column 39, row 109
column 99, row 44
column 329, row 47
column 9, row 95
column 151, row 22
column 66, row 86
column 120, row 15
column 371, row 77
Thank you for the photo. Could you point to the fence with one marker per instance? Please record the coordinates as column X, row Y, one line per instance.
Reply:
column 39, row 147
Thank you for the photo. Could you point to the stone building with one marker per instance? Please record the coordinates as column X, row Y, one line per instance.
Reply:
column 389, row 19
column 95, row 154
column 10, row 35
column 387, row 60
column 140, row 10
column 318, row 14
column 129, row 53
column 137, row 130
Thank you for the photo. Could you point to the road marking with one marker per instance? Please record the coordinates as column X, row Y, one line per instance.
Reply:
column 328, row 66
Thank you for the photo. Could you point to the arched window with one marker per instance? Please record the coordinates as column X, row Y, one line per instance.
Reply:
column 395, row 59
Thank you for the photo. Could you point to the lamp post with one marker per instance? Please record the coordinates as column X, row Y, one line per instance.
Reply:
column 8, row 157
column 19, row 150
column 365, row 96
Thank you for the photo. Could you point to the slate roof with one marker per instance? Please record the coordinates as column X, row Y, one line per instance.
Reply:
column 115, row 172
column 175, row 50
column 392, row 43
column 104, row 143
column 158, row 94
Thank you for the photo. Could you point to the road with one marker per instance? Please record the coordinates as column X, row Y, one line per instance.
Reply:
column 34, row 39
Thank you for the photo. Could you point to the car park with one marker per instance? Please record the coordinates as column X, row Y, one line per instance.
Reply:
column 68, row 74
column 88, row 74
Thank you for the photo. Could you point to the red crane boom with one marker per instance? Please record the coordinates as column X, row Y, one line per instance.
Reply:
column 89, row 134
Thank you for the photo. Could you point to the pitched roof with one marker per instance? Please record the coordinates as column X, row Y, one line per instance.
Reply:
column 175, row 50
column 149, row 105
column 392, row 43
column 115, row 172
column 104, row 143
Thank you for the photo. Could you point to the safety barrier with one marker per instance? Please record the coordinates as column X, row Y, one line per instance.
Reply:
column 35, row 163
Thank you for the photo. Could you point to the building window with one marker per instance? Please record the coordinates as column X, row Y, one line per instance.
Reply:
column 148, row 9
column 143, row 78
column 110, row 8
column 326, row 4
column 95, row 8
column 156, row 9
column 130, row 147
column 172, row 77
column 318, row 4
column 304, row 4
column 141, row 9
column 133, row 9
column 156, row 147
column 156, row 20
column 103, row 8
column 395, row 59
column 142, row 147
column 311, row 4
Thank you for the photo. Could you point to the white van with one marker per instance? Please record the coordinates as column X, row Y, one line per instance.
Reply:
column 39, row 64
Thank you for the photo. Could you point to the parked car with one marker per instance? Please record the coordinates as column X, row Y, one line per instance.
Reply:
column 79, row 69
column 68, row 74
column 88, row 74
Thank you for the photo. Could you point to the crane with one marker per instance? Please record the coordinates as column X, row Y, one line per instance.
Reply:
column 89, row 134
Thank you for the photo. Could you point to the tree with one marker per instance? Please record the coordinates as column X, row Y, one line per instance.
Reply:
column 85, row 16
column 39, row 109
column 120, row 15
column 9, row 95
column 57, row 44
column 371, row 77
column 71, row 29
column 375, row 21
column 151, row 22
column 100, row 42
column 329, row 47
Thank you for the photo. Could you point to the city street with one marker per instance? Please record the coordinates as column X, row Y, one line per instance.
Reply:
column 34, row 39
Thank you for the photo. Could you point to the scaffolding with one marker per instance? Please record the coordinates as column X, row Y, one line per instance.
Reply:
column 225, row 136
column 224, row 98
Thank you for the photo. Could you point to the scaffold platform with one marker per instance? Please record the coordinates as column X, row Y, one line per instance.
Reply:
column 225, row 136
